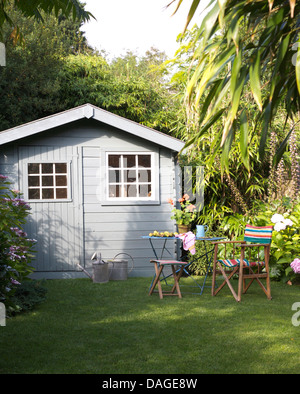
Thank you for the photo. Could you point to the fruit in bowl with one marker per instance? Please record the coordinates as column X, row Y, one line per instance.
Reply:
column 162, row 234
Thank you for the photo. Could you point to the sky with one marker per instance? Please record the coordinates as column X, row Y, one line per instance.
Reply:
column 134, row 25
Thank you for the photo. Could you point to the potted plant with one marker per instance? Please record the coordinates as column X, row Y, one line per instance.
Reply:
column 185, row 215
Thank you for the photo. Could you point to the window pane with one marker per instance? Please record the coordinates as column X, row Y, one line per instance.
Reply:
column 47, row 193
column 114, row 161
column 130, row 190
column 128, row 161
column 61, row 180
column 41, row 189
column 61, row 193
column 47, row 180
column 33, row 181
column 114, row 176
column 34, row 194
column 144, row 190
column 33, row 168
column 61, row 168
column 47, row 168
column 144, row 175
column 129, row 176
column 114, row 191
column 144, row 160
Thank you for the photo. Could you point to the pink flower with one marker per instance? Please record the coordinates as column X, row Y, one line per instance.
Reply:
column 170, row 201
column 186, row 197
column 296, row 266
column 14, row 281
column 191, row 207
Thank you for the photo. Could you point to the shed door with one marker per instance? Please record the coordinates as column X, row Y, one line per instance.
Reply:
column 50, row 178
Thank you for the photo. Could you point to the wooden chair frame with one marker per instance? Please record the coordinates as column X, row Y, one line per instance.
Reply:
column 240, row 270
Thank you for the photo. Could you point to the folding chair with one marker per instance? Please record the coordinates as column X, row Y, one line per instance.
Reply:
column 258, row 268
column 159, row 266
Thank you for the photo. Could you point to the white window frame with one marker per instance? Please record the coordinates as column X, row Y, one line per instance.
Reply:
column 153, row 199
column 68, row 187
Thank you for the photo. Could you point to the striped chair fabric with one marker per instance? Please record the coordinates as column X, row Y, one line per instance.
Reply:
column 262, row 235
column 234, row 262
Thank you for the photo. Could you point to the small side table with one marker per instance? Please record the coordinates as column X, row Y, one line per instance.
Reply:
column 159, row 266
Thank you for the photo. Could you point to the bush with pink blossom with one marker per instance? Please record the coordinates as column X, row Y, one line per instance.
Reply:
column 16, row 249
column 295, row 265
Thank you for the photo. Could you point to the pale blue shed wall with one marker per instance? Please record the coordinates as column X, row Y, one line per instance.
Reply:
column 68, row 233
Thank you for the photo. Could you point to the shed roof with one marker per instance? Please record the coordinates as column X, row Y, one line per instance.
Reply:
column 90, row 111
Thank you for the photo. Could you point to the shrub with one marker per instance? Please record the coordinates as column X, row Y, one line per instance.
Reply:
column 28, row 294
column 16, row 249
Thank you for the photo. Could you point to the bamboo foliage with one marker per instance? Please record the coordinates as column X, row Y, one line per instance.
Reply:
column 245, row 43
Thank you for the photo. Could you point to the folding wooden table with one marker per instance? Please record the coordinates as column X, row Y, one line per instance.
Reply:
column 165, row 250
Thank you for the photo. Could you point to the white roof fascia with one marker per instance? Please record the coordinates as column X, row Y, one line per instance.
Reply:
column 89, row 111
column 40, row 125
column 138, row 130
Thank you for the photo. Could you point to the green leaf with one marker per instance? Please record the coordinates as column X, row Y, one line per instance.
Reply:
column 222, row 4
column 284, row 260
column 265, row 127
column 191, row 13
column 244, row 139
column 220, row 94
column 209, row 20
column 237, row 93
column 226, row 148
column 235, row 71
column 212, row 70
column 288, row 270
column 297, row 67
column 204, row 128
column 254, row 72
column 214, row 92
column 281, row 54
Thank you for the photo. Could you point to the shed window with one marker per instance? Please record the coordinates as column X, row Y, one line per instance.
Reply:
column 47, row 181
column 130, row 176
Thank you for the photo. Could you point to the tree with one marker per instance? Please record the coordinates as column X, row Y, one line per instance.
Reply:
column 245, row 43
column 37, row 9
column 29, row 84
column 131, row 87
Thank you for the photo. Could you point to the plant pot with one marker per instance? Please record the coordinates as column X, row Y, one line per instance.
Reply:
column 183, row 228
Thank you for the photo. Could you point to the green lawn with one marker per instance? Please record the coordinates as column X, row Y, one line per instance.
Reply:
column 115, row 327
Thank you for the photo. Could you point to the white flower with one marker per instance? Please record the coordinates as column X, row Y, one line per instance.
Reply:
column 277, row 218
column 279, row 226
column 288, row 222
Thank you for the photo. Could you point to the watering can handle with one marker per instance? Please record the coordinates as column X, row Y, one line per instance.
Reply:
column 126, row 254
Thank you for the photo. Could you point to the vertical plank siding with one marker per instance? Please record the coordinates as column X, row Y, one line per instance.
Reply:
column 69, row 232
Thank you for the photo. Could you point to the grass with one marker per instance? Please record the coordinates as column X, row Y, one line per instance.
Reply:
column 115, row 327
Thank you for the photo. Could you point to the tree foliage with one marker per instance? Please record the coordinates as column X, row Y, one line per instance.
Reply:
column 37, row 9
column 244, row 44
column 29, row 83
column 54, row 69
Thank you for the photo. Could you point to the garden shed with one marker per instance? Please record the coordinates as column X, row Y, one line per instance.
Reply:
column 96, row 182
